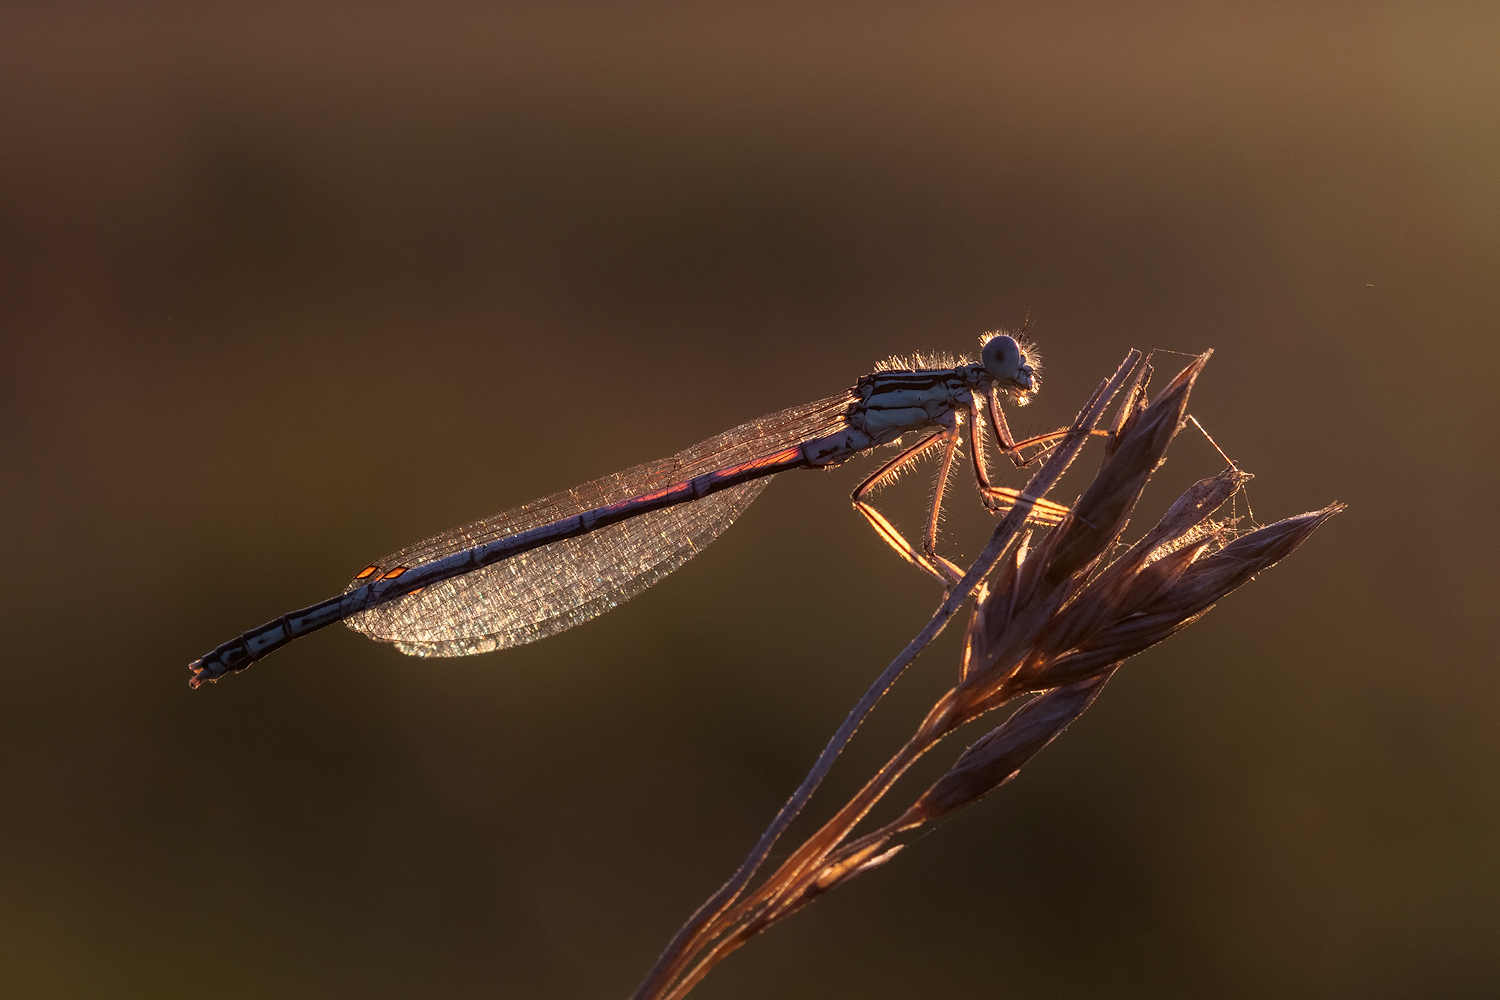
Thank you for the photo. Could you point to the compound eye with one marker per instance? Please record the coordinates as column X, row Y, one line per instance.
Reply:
column 1002, row 358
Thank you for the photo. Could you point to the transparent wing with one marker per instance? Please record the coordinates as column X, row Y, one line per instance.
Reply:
column 553, row 588
column 547, row 590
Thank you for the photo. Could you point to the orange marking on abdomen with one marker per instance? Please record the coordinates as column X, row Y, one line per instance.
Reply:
column 656, row 495
column 785, row 455
column 365, row 572
column 394, row 573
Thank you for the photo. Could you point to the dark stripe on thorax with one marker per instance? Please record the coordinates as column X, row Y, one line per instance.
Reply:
column 910, row 381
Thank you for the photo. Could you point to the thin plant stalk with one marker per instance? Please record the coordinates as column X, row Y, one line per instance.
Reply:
column 681, row 947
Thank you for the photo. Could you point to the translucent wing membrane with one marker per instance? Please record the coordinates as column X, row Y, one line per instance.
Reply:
column 553, row 588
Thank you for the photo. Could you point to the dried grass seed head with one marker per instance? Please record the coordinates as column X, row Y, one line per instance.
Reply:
column 996, row 757
column 1027, row 595
column 1163, row 596
column 1136, row 450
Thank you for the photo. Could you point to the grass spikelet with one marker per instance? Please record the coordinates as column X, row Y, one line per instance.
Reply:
column 1051, row 623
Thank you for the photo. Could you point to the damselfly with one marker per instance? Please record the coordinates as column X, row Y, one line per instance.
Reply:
column 536, row 570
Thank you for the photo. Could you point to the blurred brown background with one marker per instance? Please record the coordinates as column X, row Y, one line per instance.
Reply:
column 284, row 287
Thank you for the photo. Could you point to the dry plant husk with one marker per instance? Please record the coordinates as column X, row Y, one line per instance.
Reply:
column 1051, row 622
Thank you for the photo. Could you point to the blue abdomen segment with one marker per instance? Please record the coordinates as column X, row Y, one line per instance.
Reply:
column 240, row 652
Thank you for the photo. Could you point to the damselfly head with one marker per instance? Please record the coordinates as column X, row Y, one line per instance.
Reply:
column 1012, row 365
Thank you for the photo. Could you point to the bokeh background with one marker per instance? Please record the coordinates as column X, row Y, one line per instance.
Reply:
column 286, row 286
